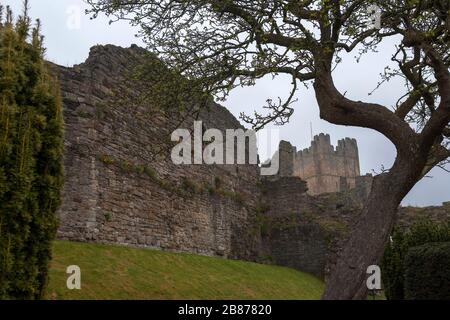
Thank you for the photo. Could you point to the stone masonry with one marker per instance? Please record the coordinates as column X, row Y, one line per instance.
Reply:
column 122, row 188
column 116, row 191
column 324, row 167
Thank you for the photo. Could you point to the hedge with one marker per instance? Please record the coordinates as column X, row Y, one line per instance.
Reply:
column 427, row 272
column 392, row 264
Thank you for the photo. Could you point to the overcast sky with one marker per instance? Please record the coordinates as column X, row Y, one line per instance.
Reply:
column 69, row 34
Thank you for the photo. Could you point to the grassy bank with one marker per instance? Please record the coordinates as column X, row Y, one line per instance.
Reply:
column 116, row 272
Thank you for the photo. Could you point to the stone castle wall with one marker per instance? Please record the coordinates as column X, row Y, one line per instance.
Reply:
column 116, row 191
column 307, row 232
column 121, row 188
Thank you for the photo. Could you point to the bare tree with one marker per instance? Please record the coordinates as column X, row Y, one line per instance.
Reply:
column 229, row 43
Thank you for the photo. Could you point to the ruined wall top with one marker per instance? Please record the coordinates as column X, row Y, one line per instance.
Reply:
column 322, row 144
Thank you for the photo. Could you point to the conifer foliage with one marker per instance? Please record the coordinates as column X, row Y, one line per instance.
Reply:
column 31, row 169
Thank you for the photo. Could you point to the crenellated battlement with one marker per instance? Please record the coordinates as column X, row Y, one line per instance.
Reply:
column 322, row 144
column 347, row 147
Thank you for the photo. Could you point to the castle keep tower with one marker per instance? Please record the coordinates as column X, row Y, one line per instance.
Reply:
column 324, row 167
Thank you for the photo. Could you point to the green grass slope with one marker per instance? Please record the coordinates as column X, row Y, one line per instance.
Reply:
column 116, row 272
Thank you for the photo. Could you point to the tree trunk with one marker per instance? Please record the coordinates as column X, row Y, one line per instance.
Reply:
column 369, row 236
column 367, row 241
